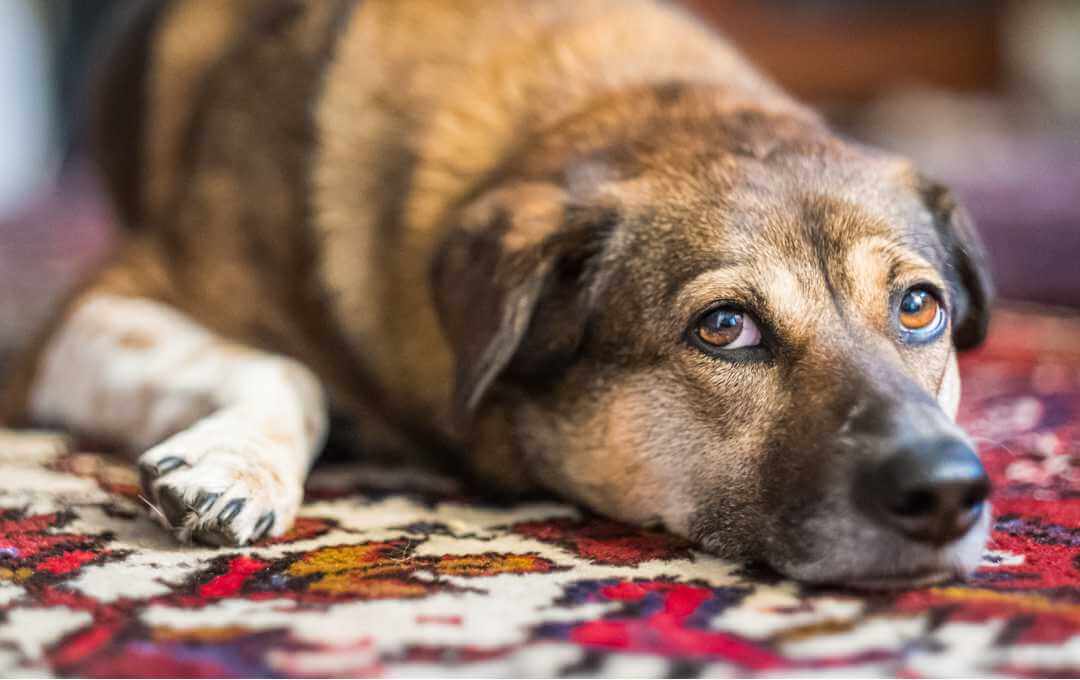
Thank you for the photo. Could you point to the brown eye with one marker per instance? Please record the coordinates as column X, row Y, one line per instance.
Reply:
column 727, row 328
column 921, row 314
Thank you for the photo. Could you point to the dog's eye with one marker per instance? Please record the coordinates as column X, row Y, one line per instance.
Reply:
column 921, row 315
column 727, row 328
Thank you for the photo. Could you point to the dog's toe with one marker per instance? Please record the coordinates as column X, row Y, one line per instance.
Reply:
column 237, row 521
column 151, row 468
column 204, row 500
column 264, row 526
column 226, row 531
column 216, row 537
column 170, row 500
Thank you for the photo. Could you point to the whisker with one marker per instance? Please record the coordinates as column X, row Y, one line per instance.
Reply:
column 156, row 510
column 994, row 442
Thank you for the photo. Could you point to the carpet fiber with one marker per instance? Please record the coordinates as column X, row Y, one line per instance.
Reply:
column 393, row 572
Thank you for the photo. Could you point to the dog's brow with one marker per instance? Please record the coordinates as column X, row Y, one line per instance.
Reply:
column 726, row 282
column 880, row 259
column 681, row 281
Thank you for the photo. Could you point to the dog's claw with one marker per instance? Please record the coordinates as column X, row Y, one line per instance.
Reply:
column 204, row 501
column 150, row 472
column 231, row 510
column 262, row 526
column 167, row 465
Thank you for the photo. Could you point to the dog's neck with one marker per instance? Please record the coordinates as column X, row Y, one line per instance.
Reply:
column 525, row 89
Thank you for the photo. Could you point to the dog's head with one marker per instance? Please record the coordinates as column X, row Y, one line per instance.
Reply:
column 728, row 322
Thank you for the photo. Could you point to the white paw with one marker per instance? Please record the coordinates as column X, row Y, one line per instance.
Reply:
column 222, row 485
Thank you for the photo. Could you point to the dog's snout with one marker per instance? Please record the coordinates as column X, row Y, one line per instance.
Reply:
column 932, row 491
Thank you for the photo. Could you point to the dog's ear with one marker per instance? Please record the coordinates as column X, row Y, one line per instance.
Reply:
column 967, row 266
column 514, row 284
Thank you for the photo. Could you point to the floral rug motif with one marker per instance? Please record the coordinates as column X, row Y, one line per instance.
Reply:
column 393, row 572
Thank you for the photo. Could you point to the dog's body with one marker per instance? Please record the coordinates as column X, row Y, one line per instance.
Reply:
column 483, row 226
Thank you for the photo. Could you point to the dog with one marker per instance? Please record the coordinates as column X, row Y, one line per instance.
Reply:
column 576, row 245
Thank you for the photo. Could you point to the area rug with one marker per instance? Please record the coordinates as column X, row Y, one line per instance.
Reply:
column 395, row 572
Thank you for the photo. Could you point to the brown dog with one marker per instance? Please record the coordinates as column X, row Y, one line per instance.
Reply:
column 580, row 240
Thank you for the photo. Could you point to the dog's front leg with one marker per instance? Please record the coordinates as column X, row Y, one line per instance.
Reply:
column 228, row 433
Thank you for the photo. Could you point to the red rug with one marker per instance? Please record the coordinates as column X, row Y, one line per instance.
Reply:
column 392, row 572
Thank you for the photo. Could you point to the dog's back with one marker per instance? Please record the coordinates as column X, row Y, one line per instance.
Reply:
column 204, row 133
column 290, row 164
column 156, row 71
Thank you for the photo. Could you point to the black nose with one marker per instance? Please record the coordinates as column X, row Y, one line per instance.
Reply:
column 932, row 492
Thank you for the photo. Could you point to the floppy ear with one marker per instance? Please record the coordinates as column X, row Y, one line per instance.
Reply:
column 967, row 266
column 513, row 277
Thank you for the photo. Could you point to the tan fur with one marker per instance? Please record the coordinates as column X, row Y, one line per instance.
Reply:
column 195, row 34
column 471, row 78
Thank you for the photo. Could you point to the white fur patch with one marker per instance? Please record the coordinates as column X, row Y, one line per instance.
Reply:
column 247, row 424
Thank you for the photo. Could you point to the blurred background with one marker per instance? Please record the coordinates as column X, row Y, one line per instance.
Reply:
column 983, row 94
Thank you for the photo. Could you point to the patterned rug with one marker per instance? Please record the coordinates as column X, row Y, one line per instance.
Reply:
column 393, row 572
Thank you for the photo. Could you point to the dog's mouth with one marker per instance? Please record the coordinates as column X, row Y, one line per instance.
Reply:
column 916, row 579
column 854, row 554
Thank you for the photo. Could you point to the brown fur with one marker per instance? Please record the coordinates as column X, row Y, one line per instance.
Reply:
column 487, row 225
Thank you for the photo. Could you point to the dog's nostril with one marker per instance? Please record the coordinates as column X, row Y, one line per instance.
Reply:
column 931, row 492
column 976, row 496
column 915, row 503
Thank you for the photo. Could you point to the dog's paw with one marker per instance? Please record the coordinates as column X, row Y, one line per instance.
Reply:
column 221, row 488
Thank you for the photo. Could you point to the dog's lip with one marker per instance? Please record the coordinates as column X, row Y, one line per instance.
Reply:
column 916, row 579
